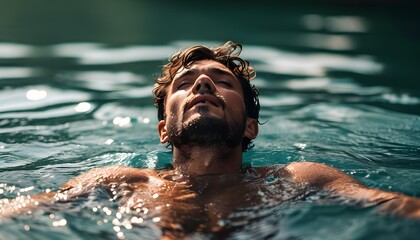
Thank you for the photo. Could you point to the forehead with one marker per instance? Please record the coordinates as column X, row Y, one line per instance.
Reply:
column 203, row 66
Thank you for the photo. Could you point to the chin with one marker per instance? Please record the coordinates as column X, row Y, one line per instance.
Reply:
column 206, row 130
column 203, row 116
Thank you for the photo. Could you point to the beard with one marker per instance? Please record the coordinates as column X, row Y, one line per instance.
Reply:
column 207, row 130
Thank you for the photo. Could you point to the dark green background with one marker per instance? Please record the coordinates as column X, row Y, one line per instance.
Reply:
column 393, row 35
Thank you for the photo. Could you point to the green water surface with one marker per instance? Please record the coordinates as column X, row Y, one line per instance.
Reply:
column 338, row 81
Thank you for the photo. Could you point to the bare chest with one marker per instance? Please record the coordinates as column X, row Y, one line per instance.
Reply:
column 207, row 208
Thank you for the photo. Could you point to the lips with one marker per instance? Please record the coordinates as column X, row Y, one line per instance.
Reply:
column 204, row 99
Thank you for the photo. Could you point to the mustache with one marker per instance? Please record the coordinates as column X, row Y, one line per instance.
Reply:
column 214, row 99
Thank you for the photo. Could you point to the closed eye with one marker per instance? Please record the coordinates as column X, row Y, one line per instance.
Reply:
column 225, row 83
column 183, row 85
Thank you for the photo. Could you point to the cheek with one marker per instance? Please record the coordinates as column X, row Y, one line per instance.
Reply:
column 173, row 108
column 235, row 102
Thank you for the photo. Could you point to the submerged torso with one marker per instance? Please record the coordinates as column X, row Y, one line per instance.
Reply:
column 210, row 203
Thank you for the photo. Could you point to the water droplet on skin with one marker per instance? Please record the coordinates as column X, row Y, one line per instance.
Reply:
column 127, row 224
column 120, row 235
column 136, row 220
column 116, row 222
column 107, row 211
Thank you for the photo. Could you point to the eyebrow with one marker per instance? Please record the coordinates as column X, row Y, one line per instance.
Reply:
column 214, row 70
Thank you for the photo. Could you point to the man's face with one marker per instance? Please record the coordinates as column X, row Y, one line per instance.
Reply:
column 205, row 106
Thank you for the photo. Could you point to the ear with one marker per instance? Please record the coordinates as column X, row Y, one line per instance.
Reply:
column 163, row 133
column 251, row 129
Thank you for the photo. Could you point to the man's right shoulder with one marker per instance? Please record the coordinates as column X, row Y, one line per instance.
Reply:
column 123, row 172
column 122, row 168
column 111, row 174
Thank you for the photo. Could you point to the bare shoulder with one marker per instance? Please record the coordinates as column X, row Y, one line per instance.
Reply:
column 122, row 172
column 109, row 174
column 315, row 174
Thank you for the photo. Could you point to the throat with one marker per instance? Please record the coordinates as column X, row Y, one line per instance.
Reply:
column 198, row 161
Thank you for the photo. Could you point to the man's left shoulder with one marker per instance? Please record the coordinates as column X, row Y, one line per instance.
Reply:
column 315, row 173
column 266, row 170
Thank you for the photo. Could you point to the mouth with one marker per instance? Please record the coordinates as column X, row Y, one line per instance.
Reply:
column 204, row 100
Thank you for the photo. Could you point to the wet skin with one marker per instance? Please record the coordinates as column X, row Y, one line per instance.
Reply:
column 205, row 119
column 198, row 203
column 193, row 203
column 181, row 203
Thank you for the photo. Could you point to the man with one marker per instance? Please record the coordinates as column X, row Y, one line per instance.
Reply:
column 208, row 113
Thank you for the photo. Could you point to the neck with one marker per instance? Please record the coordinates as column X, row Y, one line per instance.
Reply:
column 207, row 160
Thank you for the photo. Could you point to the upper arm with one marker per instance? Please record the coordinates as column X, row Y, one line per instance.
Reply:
column 337, row 183
column 73, row 189
column 333, row 181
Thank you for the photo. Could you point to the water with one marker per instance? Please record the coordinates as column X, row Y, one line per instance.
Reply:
column 338, row 85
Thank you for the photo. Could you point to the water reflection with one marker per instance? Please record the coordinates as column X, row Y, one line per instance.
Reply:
column 36, row 95
column 109, row 81
column 88, row 53
column 405, row 99
column 336, row 86
column 14, row 50
column 83, row 107
column 308, row 83
column 273, row 59
column 327, row 41
column 19, row 72
column 350, row 24
column 331, row 24
column 123, row 122
column 120, row 119
column 94, row 54
column 283, row 99
column 311, row 64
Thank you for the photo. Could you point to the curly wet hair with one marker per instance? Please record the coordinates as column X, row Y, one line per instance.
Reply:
column 228, row 55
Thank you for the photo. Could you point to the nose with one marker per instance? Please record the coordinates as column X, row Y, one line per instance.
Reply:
column 203, row 85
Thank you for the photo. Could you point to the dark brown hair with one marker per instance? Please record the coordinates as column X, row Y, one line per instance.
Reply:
column 228, row 55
